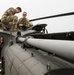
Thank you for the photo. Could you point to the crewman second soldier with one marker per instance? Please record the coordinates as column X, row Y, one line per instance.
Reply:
column 23, row 23
column 9, row 20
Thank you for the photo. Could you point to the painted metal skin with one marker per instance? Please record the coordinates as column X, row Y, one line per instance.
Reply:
column 27, row 61
column 20, row 62
column 17, row 60
column 59, row 47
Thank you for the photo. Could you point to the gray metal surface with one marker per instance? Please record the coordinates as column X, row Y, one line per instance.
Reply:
column 21, row 62
column 15, row 32
column 54, row 61
column 59, row 47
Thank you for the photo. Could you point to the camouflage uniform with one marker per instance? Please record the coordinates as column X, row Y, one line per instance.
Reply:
column 8, row 19
column 23, row 23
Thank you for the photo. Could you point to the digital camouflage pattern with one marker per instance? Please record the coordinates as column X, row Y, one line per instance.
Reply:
column 24, row 21
column 7, row 17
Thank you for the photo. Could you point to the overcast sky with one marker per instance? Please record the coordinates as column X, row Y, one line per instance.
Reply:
column 41, row 8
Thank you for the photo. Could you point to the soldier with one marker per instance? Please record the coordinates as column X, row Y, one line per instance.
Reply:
column 9, row 20
column 23, row 22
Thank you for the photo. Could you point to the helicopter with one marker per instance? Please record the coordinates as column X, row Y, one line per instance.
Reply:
column 36, row 52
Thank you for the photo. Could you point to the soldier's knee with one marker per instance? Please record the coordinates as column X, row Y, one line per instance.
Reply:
column 15, row 17
column 3, row 20
column 12, row 17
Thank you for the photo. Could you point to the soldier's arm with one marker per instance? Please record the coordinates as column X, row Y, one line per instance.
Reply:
column 19, row 22
column 27, row 23
column 10, row 12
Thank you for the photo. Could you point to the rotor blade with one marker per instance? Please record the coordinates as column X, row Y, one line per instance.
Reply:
column 53, row 16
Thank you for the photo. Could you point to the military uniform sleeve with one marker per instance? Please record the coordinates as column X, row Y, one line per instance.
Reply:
column 20, row 22
column 27, row 23
column 10, row 12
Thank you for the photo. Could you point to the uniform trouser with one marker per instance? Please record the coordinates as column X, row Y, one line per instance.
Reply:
column 9, row 22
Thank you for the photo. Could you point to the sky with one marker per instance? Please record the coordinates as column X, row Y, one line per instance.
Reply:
column 42, row 8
